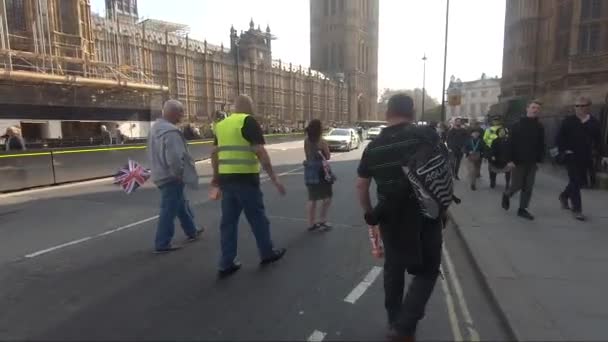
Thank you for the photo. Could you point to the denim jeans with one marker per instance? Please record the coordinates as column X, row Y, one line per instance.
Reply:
column 236, row 198
column 173, row 203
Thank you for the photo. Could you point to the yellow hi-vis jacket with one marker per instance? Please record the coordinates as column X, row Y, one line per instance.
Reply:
column 490, row 135
column 235, row 154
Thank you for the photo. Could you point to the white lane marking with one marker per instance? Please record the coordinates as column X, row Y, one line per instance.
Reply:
column 44, row 251
column 462, row 303
column 358, row 291
column 130, row 225
column 449, row 300
column 316, row 336
column 111, row 231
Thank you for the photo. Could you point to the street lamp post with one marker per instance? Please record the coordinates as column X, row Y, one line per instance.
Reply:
column 445, row 59
column 237, row 57
column 423, row 83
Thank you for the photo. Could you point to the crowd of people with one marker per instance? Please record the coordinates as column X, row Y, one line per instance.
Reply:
column 516, row 152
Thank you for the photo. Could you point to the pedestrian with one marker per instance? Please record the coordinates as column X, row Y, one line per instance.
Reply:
column 499, row 157
column 474, row 150
column 106, row 136
column 319, row 189
column 579, row 138
column 489, row 136
column 526, row 150
column 236, row 158
column 411, row 241
column 13, row 140
column 456, row 139
column 172, row 169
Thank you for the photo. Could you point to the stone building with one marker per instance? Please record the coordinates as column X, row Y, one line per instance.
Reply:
column 344, row 41
column 85, row 70
column 476, row 97
column 555, row 50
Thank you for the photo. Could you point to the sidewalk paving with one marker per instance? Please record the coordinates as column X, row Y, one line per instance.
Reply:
column 548, row 276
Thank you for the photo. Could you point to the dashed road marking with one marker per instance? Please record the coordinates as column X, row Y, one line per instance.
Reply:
column 360, row 289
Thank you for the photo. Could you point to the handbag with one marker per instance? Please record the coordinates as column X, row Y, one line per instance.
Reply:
column 328, row 175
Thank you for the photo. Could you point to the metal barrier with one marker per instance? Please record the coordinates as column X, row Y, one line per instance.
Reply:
column 28, row 169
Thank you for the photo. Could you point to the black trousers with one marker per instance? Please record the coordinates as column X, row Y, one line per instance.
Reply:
column 457, row 160
column 577, row 172
column 404, row 312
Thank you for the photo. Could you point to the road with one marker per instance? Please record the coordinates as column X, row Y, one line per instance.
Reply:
column 76, row 263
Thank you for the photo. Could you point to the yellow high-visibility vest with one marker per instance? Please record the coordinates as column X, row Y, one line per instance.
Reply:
column 235, row 154
column 490, row 135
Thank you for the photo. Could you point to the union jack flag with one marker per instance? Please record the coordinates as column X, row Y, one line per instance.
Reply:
column 131, row 176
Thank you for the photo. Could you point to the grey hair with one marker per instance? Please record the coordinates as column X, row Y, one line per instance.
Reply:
column 172, row 107
column 243, row 104
column 584, row 100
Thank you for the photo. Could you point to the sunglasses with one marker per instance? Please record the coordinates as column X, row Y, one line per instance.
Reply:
column 581, row 106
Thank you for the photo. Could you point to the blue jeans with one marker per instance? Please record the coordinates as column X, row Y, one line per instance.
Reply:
column 238, row 197
column 173, row 203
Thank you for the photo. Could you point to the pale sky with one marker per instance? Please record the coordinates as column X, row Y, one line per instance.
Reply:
column 408, row 30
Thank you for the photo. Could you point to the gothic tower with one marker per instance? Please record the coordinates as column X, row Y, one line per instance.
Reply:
column 344, row 42
column 122, row 10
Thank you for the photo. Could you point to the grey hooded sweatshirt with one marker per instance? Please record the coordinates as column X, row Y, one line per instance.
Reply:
column 169, row 156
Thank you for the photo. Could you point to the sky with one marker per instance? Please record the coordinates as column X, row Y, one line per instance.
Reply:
column 409, row 29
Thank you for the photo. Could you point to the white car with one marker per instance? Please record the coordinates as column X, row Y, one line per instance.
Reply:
column 342, row 139
column 374, row 132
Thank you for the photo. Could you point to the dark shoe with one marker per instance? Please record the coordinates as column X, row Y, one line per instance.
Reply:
column 196, row 236
column 166, row 250
column 579, row 216
column 492, row 185
column 313, row 227
column 278, row 254
column 506, row 202
column 473, row 187
column 457, row 178
column 563, row 200
column 525, row 214
column 229, row 271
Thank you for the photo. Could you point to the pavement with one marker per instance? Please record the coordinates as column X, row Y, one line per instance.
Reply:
column 548, row 277
column 76, row 264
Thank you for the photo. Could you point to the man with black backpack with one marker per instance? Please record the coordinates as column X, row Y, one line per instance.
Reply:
column 411, row 229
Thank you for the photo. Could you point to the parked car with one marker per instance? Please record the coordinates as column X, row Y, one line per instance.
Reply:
column 342, row 139
column 374, row 132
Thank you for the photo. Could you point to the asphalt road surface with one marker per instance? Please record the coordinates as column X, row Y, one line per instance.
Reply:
column 76, row 263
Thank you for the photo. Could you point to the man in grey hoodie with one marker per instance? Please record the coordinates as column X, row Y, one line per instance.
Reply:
column 172, row 169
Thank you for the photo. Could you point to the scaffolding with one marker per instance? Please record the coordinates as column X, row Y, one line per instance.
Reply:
column 53, row 41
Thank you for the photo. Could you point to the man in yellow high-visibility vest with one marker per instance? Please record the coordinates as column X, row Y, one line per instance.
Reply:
column 489, row 136
column 239, row 151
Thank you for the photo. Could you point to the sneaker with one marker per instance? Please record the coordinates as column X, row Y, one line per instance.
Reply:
column 506, row 202
column 166, row 250
column 278, row 254
column 235, row 267
column 579, row 216
column 196, row 236
column 563, row 200
column 525, row 214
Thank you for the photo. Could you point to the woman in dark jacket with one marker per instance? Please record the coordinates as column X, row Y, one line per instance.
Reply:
column 316, row 150
column 14, row 141
column 499, row 157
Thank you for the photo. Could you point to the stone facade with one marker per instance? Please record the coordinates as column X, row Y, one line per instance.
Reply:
column 476, row 97
column 556, row 50
column 344, row 42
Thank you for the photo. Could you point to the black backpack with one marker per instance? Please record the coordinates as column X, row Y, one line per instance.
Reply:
column 430, row 174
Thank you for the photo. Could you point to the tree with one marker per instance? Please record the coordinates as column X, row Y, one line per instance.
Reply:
column 416, row 94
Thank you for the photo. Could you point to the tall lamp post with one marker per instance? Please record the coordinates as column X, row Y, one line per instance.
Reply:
column 445, row 59
column 235, row 43
column 423, row 84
